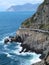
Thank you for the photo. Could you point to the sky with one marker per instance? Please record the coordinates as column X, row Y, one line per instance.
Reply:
column 4, row 4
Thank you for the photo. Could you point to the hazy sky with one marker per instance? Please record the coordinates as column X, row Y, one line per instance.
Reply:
column 4, row 4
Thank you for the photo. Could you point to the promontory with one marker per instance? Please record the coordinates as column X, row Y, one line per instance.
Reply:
column 34, row 34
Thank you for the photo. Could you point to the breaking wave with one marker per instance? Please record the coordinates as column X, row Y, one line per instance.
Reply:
column 12, row 51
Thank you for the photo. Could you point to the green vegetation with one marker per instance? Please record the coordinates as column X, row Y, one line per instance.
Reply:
column 44, row 26
column 37, row 20
column 26, row 23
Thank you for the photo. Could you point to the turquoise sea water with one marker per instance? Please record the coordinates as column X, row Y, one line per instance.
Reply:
column 9, row 54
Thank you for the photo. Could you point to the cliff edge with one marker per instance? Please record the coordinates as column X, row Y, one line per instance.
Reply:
column 40, row 19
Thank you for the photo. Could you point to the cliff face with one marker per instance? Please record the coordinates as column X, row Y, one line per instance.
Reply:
column 33, row 41
column 40, row 19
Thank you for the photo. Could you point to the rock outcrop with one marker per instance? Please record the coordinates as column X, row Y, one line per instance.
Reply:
column 20, row 37
column 33, row 41
column 40, row 19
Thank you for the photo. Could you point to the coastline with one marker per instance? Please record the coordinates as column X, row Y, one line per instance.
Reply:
column 33, row 41
column 34, row 37
column 41, row 39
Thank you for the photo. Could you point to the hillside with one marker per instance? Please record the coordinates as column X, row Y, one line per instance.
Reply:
column 40, row 19
column 25, row 7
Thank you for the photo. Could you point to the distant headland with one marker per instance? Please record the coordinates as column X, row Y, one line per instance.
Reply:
column 24, row 7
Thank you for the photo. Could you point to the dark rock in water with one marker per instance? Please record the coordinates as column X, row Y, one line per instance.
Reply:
column 15, row 39
column 24, row 47
column 6, row 40
column 42, row 56
column 18, row 38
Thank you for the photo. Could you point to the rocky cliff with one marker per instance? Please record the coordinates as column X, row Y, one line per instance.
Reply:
column 35, row 40
column 40, row 19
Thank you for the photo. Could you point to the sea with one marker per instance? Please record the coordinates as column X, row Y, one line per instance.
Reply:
column 9, row 53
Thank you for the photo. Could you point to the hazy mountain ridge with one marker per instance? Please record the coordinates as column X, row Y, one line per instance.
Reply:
column 25, row 7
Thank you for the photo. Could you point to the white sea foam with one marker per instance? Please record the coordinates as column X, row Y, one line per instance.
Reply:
column 2, row 41
column 34, row 58
column 6, row 36
column 8, row 55
column 16, row 51
column 5, row 47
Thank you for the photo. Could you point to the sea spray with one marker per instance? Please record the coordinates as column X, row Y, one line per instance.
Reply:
column 32, row 57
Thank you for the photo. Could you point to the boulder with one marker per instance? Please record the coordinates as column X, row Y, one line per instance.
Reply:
column 6, row 40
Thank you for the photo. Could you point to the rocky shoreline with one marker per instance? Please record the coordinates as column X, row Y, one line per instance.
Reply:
column 35, row 41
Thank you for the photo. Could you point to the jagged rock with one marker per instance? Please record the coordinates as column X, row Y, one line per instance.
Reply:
column 6, row 40
column 13, row 39
column 18, row 38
